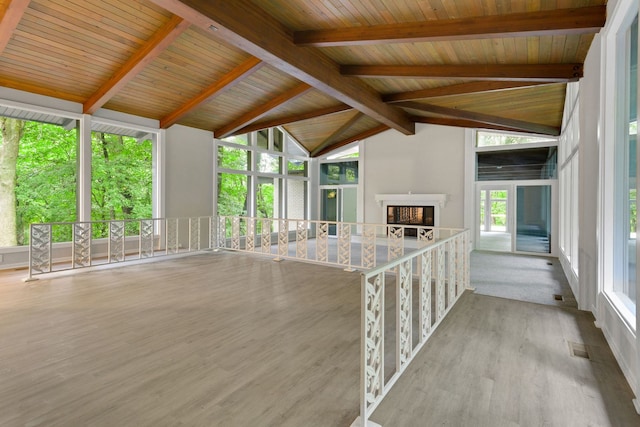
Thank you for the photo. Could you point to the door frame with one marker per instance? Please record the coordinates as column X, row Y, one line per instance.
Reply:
column 512, row 212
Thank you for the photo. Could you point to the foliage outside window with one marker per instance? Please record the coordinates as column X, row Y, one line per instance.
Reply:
column 38, row 179
column 257, row 182
column 232, row 194
column 268, row 163
column 238, row 139
column 297, row 167
column 233, row 158
column 339, row 173
column 121, row 180
column 488, row 139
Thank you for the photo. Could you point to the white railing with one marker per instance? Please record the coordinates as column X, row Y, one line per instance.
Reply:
column 94, row 243
column 443, row 265
column 437, row 257
column 343, row 244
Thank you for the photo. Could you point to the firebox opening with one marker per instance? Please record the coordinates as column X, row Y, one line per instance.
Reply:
column 411, row 215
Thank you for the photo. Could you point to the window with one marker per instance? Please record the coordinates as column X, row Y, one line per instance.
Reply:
column 266, row 179
column 345, row 172
column 43, row 188
column 121, row 175
column 625, row 237
column 619, row 165
column 488, row 139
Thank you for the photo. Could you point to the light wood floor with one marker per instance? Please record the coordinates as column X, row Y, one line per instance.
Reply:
column 224, row 339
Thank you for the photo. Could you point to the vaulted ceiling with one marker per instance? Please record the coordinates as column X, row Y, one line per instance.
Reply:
column 330, row 72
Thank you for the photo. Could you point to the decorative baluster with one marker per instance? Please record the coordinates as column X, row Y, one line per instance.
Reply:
column 213, row 232
column 425, row 236
column 301, row 239
column 404, row 317
column 40, row 249
column 451, row 264
column 344, row 244
column 194, row 234
column 222, row 232
column 322, row 241
column 146, row 238
column 116, row 241
column 425, row 294
column 266, row 236
column 373, row 339
column 250, row 243
column 283, row 238
column 395, row 237
column 235, row 233
column 440, row 284
column 368, row 246
column 81, row 244
column 172, row 235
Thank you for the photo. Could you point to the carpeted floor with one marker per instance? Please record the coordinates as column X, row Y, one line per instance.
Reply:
column 521, row 277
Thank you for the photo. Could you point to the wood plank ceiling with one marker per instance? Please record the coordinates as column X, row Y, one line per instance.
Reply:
column 329, row 72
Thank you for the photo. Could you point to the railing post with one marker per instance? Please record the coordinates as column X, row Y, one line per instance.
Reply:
column 404, row 317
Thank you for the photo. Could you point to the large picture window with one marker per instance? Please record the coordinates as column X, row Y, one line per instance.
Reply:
column 38, row 179
column 121, row 178
column 262, row 174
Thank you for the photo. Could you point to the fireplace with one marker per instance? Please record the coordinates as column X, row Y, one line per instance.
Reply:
column 411, row 215
column 420, row 210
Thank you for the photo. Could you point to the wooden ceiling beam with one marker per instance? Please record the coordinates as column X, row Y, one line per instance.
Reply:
column 227, row 81
column 261, row 111
column 324, row 144
column 520, row 125
column 547, row 73
column 463, row 123
column 458, row 89
column 10, row 15
column 362, row 135
column 244, row 25
column 292, row 119
column 584, row 20
column 143, row 57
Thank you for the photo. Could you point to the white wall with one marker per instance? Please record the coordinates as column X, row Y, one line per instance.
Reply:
column 189, row 172
column 431, row 161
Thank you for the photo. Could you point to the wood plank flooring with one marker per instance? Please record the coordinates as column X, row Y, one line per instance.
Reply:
column 228, row 339
column 218, row 339
column 498, row 362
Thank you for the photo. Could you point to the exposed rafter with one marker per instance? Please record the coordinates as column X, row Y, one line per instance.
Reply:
column 261, row 111
column 482, row 118
column 242, row 24
column 548, row 22
column 227, row 81
column 463, row 123
column 457, row 89
column 143, row 57
column 337, row 133
column 362, row 135
column 10, row 15
column 292, row 119
column 559, row 73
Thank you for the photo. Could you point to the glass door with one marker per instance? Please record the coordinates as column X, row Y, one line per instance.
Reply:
column 533, row 218
column 515, row 218
column 338, row 204
column 494, row 229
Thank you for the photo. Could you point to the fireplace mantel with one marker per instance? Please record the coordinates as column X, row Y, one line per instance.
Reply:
column 410, row 199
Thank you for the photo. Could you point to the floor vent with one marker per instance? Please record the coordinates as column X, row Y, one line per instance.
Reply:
column 558, row 297
column 579, row 350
